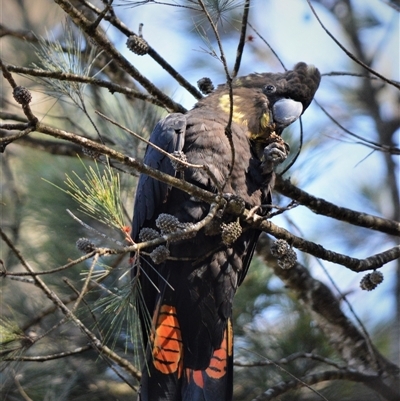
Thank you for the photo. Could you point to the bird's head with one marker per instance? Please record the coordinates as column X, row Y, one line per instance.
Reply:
column 268, row 102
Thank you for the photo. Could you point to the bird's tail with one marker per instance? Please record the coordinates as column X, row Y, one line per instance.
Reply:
column 164, row 376
column 215, row 382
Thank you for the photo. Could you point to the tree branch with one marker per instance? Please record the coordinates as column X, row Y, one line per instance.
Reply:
column 372, row 381
column 324, row 307
column 242, row 40
column 104, row 43
column 49, row 357
column 151, row 52
column 349, row 54
column 321, row 206
column 63, row 76
column 96, row 344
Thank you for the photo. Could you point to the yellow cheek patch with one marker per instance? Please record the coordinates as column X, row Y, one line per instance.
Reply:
column 265, row 120
column 224, row 104
column 167, row 345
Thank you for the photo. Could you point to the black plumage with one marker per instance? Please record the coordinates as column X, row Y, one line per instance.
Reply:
column 190, row 294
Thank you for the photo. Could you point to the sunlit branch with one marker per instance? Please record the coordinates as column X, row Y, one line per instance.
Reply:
column 151, row 52
column 323, row 207
column 64, row 76
column 358, row 265
column 104, row 43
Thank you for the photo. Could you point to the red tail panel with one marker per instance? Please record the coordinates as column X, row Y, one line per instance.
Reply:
column 167, row 342
column 214, row 383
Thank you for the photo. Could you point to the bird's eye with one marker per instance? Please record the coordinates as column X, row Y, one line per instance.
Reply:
column 270, row 89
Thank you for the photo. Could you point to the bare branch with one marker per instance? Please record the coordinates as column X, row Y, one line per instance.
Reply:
column 49, row 357
column 321, row 206
column 349, row 54
column 374, row 145
column 151, row 52
column 288, row 359
column 104, row 43
column 372, row 381
column 63, row 76
column 325, row 308
column 242, row 40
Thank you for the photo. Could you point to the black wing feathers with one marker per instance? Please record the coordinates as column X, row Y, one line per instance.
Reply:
column 169, row 135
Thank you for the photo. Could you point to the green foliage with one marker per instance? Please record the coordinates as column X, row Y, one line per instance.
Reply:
column 68, row 57
column 98, row 195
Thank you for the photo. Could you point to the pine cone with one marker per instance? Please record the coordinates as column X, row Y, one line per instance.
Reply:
column 286, row 256
column 148, row 234
column 85, row 245
column 167, row 223
column 137, row 45
column 160, row 254
column 205, row 85
column 231, row 232
column 187, row 235
column 376, row 277
column 366, row 283
column 22, row 95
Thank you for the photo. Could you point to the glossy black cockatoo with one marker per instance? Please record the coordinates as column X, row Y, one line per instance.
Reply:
column 189, row 290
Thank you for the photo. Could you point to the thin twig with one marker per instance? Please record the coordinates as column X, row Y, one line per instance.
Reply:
column 96, row 343
column 288, row 359
column 351, row 55
column 116, row 22
column 242, row 40
column 58, row 269
column 343, row 374
column 49, row 357
column 105, row 44
column 64, row 76
column 20, row 389
column 269, row 46
column 366, row 142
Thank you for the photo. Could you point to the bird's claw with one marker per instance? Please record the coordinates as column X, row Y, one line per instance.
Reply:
column 275, row 153
column 235, row 204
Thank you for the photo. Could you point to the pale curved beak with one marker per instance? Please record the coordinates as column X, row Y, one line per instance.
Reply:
column 286, row 111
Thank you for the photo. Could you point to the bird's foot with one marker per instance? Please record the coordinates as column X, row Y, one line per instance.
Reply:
column 235, row 204
column 275, row 153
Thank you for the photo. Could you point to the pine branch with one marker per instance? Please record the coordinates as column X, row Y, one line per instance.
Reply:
column 49, row 357
column 323, row 207
column 355, row 349
column 104, row 43
column 95, row 342
column 372, row 381
column 116, row 22
column 64, row 76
